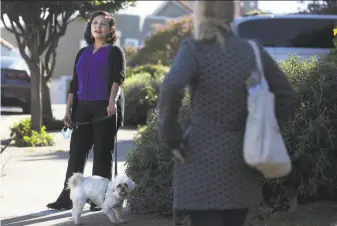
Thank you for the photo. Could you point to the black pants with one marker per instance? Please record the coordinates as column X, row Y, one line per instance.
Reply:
column 234, row 217
column 100, row 134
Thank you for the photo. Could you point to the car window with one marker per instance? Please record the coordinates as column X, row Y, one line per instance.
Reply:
column 298, row 33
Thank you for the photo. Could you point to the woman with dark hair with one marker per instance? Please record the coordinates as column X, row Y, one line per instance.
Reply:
column 95, row 96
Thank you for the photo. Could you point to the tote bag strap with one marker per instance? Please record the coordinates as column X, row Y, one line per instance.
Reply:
column 259, row 62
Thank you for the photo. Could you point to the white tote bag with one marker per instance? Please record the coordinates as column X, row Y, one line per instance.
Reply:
column 264, row 148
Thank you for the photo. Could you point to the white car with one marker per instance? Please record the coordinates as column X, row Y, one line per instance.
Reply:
column 304, row 35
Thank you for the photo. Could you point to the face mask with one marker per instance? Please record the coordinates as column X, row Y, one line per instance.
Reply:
column 66, row 132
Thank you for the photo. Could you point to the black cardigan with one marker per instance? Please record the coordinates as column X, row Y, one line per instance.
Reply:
column 117, row 72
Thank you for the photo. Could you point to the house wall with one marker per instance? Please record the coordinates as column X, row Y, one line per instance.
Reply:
column 129, row 29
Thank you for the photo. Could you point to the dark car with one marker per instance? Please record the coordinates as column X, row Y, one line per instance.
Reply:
column 15, row 80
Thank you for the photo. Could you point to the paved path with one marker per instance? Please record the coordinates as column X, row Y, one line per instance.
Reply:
column 33, row 177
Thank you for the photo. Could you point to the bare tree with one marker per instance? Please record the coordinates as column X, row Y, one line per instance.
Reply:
column 38, row 27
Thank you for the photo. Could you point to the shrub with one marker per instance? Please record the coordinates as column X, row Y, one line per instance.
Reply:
column 334, row 51
column 140, row 92
column 25, row 137
column 310, row 135
column 163, row 44
column 153, row 160
column 157, row 71
column 129, row 51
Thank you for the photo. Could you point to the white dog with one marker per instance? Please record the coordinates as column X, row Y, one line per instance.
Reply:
column 106, row 194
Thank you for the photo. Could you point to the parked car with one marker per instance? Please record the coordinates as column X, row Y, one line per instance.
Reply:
column 281, row 35
column 15, row 79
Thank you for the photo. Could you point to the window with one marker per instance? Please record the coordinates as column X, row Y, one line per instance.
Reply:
column 82, row 43
column 292, row 32
column 132, row 42
column 141, row 44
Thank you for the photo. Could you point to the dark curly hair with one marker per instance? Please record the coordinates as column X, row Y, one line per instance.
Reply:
column 112, row 37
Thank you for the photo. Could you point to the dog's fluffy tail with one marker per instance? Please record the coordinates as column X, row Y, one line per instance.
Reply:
column 75, row 180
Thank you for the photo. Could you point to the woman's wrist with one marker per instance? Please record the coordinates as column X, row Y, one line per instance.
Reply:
column 112, row 101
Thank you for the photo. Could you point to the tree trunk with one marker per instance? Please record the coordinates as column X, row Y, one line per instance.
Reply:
column 36, row 97
column 46, row 100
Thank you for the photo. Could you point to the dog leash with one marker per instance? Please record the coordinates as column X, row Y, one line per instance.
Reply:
column 115, row 151
column 76, row 124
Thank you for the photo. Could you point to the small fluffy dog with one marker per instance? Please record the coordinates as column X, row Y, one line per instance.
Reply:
column 106, row 194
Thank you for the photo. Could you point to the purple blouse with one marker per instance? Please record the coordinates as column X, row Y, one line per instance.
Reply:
column 92, row 74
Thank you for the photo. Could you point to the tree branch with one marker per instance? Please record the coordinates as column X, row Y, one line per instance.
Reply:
column 16, row 19
column 22, row 47
column 69, row 21
column 50, row 60
column 48, row 24
column 3, row 22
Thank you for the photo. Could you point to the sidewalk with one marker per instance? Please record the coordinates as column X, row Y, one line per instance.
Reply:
column 96, row 219
column 33, row 177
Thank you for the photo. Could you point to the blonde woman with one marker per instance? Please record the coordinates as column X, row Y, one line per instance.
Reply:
column 211, row 182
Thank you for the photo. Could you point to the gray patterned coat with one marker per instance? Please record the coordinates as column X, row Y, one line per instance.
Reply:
column 215, row 176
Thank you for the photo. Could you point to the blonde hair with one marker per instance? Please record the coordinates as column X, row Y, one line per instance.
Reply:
column 211, row 19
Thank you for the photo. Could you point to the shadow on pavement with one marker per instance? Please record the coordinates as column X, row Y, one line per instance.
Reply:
column 43, row 216
column 100, row 219
column 122, row 149
column 64, row 218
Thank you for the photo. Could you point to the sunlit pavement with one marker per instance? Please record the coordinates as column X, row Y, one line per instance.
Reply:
column 33, row 177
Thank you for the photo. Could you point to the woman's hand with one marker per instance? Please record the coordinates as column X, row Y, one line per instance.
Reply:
column 67, row 118
column 111, row 109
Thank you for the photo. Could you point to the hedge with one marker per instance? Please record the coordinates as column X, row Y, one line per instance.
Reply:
column 163, row 43
column 141, row 90
column 311, row 136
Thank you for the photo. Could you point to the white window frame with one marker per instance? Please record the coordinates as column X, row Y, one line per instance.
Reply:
column 132, row 42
